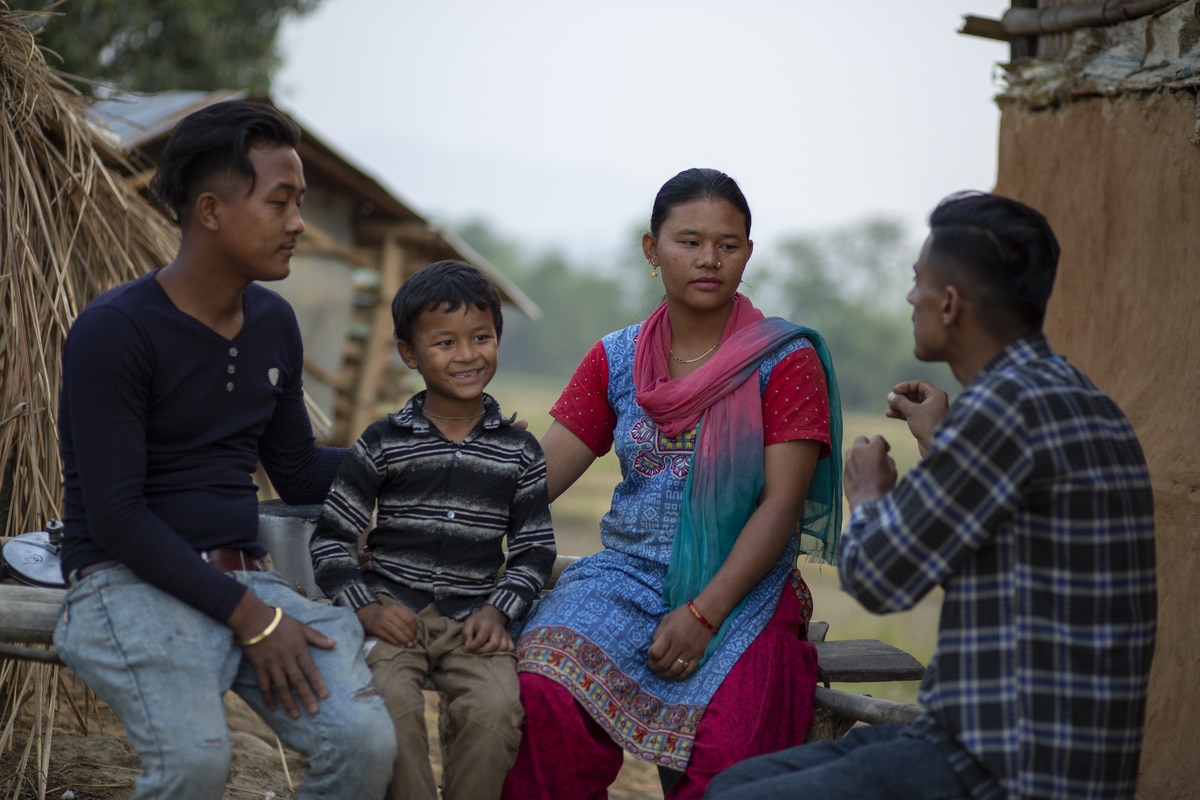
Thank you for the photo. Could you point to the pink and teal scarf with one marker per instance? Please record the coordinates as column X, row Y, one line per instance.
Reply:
column 726, row 474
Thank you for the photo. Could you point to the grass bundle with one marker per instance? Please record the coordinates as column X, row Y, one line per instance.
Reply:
column 70, row 228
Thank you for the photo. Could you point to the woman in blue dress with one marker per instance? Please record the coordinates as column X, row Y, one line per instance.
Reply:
column 683, row 640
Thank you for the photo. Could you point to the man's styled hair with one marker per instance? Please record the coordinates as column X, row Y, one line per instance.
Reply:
column 215, row 142
column 1003, row 250
column 443, row 286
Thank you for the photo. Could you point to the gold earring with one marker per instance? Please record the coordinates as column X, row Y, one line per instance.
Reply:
column 653, row 269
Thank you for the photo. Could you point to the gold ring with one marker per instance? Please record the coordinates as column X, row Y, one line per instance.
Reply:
column 686, row 664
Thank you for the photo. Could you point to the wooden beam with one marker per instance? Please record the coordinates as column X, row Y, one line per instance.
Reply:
column 323, row 375
column 28, row 613
column 414, row 233
column 320, row 242
column 864, row 708
column 984, row 28
column 1025, row 19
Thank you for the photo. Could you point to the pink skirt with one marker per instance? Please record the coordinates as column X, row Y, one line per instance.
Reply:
column 764, row 704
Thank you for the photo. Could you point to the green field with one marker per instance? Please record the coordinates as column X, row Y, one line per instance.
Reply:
column 577, row 514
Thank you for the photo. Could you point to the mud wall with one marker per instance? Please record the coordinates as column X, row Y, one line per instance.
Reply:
column 1119, row 179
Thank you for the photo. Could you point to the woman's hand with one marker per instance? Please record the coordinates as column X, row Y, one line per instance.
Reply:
column 677, row 645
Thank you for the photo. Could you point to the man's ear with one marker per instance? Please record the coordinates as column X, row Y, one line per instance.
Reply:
column 407, row 355
column 206, row 211
column 953, row 302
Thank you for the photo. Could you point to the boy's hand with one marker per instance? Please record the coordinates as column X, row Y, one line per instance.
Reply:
column 922, row 405
column 486, row 631
column 392, row 623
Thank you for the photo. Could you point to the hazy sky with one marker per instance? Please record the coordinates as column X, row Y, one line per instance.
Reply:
column 558, row 120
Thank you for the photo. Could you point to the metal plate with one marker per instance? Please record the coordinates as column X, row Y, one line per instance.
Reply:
column 32, row 559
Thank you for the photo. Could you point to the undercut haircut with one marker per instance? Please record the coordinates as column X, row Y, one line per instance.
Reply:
column 215, row 142
column 444, row 286
column 1003, row 250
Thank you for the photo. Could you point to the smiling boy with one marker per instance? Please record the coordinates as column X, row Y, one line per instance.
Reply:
column 450, row 480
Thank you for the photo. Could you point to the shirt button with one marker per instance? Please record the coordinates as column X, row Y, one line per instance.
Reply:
column 233, row 352
column 438, row 571
column 232, row 369
column 449, row 514
column 458, row 454
column 229, row 386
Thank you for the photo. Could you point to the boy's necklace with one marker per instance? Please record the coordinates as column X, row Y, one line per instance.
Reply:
column 456, row 419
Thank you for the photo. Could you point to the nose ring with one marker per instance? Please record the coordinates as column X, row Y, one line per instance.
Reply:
column 718, row 265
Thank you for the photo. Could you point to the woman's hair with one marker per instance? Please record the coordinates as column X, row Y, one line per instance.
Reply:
column 1005, row 251
column 443, row 286
column 697, row 184
column 213, row 142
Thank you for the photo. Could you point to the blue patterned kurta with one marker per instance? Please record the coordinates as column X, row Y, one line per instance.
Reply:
column 592, row 632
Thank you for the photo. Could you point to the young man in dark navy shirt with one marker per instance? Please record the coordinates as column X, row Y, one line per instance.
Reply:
column 175, row 386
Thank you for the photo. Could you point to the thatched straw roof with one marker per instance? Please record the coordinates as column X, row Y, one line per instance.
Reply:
column 70, row 228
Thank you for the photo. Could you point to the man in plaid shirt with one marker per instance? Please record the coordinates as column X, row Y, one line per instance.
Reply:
column 1032, row 508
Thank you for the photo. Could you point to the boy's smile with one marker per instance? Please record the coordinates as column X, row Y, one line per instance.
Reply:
column 456, row 353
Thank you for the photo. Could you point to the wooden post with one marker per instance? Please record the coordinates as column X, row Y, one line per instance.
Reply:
column 379, row 344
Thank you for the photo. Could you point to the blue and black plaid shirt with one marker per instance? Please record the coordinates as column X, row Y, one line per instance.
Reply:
column 1033, row 510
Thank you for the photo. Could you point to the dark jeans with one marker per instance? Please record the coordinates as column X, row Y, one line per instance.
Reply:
column 869, row 763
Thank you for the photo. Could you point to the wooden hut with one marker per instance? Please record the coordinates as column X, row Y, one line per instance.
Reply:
column 360, row 243
column 1100, row 129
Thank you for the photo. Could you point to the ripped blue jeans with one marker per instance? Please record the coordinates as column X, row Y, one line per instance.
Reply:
column 163, row 667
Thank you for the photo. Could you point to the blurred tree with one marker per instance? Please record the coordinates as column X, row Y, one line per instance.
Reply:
column 578, row 305
column 154, row 45
column 848, row 283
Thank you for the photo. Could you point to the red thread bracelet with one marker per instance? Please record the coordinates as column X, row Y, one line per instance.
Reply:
column 700, row 617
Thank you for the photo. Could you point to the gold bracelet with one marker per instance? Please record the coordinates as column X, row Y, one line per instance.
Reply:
column 267, row 631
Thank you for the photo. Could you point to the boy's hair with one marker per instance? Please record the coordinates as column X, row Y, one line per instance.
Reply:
column 1004, row 250
column 215, row 142
column 443, row 286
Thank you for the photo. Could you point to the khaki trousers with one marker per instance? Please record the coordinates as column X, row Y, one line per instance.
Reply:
column 484, row 708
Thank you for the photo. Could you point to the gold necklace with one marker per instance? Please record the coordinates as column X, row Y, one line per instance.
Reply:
column 679, row 360
column 456, row 419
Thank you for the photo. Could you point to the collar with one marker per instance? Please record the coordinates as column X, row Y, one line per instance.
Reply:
column 412, row 415
column 1031, row 347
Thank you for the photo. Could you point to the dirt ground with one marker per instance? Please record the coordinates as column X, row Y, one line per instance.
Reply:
column 100, row 764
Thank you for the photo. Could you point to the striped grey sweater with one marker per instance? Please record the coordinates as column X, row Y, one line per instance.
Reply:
column 445, row 510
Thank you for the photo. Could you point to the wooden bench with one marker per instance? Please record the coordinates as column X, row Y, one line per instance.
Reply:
column 28, row 615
